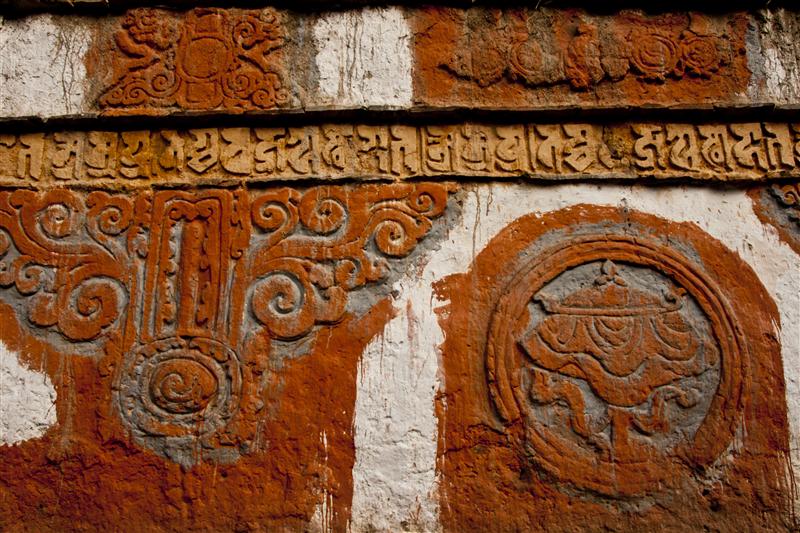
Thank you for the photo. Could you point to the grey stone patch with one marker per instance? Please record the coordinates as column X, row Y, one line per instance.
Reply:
column 684, row 422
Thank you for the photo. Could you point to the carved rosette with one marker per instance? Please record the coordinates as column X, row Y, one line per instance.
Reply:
column 621, row 357
column 175, row 280
column 180, row 387
column 514, row 45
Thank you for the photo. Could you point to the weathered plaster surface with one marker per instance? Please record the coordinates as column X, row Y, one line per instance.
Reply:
column 384, row 422
column 363, row 58
column 395, row 435
column 27, row 400
column 42, row 70
column 774, row 59
column 377, row 58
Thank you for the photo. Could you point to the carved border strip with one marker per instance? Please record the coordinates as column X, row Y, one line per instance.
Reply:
column 749, row 151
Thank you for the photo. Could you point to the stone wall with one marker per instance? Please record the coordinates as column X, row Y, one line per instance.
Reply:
column 407, row 268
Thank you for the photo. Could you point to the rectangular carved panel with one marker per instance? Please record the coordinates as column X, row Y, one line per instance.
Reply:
column 752, row 151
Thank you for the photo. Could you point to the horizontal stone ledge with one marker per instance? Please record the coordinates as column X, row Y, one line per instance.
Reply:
column 72, row 6
column 229, row 156
column 156, row 62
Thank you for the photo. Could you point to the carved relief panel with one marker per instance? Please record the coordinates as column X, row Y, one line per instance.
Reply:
column 540, row 57
column 196, row 291
column 600, row 359
column 206, row 58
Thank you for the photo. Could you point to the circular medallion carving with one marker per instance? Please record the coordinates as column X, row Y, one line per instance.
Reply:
column 180, row 387
column 620, row 356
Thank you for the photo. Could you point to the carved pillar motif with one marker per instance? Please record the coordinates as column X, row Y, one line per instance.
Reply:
column 180, row 280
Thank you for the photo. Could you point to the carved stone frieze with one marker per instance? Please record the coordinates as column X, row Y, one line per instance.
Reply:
column 518, row 46
column 224, row 155
column 185, row 284
column 534, row 58
column 207, row 58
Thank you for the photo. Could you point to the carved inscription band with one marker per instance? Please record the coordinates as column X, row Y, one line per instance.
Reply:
column 141, row 158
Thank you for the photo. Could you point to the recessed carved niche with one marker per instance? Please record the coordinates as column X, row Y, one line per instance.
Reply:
column 600, row 361
column 611, row 351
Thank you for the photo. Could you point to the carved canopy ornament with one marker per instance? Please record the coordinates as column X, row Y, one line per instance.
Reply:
column 182, row 280
column 619, row 356
column 788, row 194
column 209, row 58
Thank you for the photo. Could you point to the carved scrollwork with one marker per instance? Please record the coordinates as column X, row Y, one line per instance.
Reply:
column 68, row 256
column 172, row 273
column 207, row 59
column 326, row 242
column 788, row 194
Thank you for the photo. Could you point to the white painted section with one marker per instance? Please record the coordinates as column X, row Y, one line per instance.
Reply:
column 42, row 70
column 395, row 419
column 27, row 400
column 394, row 479
column 778, row 57
column 363, row 58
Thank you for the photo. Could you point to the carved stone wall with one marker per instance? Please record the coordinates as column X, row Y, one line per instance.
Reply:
column 408, row 268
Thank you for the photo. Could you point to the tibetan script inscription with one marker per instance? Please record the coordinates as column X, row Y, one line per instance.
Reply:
column 212, row 155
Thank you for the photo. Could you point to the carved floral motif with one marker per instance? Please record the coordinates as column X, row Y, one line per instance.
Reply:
column 510, row 45
column 209, row 58
column 177, row 278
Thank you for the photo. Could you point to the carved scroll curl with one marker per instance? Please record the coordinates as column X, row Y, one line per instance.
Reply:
column 326, row 242
column 63, row 252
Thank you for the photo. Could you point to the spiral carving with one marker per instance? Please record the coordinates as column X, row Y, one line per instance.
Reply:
column 89, row 307
column 700, row 55
column 396, row 233
column 180, row 387
column 788, row 194
column 322, row 214
column 284, row 302
column 653, row 54
column 69, row 256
